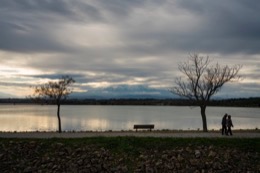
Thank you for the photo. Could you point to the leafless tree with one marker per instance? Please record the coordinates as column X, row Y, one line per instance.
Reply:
column 202, row 81
column 55, row 92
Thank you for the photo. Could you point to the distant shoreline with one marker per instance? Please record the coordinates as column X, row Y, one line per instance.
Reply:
column 256, row 130
column 235, row 102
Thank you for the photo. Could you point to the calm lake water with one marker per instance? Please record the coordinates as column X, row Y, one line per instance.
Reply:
column 116, row 118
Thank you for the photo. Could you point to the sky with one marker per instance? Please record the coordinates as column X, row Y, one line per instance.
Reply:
column 111, row 43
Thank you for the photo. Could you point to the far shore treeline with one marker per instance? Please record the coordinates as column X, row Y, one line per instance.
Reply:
column 235, row 102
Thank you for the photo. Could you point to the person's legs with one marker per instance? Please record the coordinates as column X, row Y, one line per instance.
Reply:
column 229, row 131
column 223, row 130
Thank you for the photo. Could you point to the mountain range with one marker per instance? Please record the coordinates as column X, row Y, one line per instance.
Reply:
column 5, row 95
column 124, row 91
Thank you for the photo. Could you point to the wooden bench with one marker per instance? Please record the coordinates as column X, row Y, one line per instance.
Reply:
column 144, row 126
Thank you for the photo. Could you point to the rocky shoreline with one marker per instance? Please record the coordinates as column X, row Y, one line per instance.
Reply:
column 63, row 156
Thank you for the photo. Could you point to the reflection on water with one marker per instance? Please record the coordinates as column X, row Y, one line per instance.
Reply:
column 103, row 118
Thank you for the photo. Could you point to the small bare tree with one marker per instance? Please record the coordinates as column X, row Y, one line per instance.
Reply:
column 55, row 92
column 202, row 81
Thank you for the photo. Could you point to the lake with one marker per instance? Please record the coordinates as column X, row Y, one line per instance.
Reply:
column 103, row 118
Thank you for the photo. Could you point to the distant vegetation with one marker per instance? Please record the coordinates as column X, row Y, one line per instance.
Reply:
column 236, row 102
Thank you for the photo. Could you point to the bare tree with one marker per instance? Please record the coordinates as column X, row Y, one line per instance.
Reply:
column 202, row 81
column 56, row 92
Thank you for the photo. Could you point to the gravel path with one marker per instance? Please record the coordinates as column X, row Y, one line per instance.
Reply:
column 250, row 134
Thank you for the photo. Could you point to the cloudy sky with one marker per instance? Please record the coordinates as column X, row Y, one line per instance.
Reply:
column 104, row 43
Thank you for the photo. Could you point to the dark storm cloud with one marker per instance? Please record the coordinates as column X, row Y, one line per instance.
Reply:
column 14, row 84
column 36, row 5
column 120, row 8
column 55, row 76
column 63, row 8
column 210, row 26
column 222, row 26
column 20, row 39
column 27, row 26
column 227, row 26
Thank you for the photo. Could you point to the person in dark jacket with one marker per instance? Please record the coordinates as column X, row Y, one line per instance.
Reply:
column 224, row 124
column 229, row 125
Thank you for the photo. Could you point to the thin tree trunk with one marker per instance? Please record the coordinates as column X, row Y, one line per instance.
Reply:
column 204, row 118
column 58, row 115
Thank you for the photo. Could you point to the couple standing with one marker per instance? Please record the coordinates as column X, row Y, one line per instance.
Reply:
column 226, row 125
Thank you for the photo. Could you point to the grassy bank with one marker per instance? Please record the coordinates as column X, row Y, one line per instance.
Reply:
column 129, row 154
column 130, row 144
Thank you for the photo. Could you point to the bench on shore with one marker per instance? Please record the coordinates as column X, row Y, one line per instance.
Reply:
column 144, row 126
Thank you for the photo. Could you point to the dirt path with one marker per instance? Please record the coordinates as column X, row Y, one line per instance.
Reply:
column 250, row 134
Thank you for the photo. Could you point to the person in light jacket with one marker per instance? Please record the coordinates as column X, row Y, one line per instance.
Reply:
column 229, row 125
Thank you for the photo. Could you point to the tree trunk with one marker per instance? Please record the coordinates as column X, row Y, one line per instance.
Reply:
column 204, row 118
column 58, row 115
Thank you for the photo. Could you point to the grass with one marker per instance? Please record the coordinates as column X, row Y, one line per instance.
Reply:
column 134, row 144
column 130, row 148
